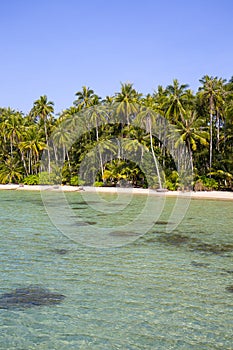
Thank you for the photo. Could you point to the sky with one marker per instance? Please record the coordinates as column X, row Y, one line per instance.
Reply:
column 54, row 47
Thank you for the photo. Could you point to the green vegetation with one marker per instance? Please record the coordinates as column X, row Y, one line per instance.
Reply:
column 202, row 120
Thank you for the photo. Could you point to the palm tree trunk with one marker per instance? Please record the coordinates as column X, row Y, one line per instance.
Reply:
column 24, row 163
column 211, row 140
column 211, row 131
column 218, row 129
column 47, row 143
column 154, row 157
column 68, row 160
column 100, row 155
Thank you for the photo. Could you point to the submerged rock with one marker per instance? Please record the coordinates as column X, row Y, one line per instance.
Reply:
column 28, row 297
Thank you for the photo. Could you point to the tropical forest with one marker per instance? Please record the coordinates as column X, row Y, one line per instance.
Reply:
column 116, row 127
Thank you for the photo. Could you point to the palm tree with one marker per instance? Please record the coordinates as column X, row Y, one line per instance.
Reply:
column 85, row 98
column 12, row 127
column 10, row 171
column 96, row 116
column 210, row 92
column 145, row 119
column 190, row 133
column 43, row 109
column 176, row 98
column 221, row 108
column 61, row 139
column 127, row 101
column 33, row 144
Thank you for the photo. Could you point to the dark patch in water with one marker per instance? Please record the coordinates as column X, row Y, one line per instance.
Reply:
column 28, row 297
column 123, row 234
column 199, row 264
column 91, row 222
column 212, row 248
column 85, row 203
column 163, row 223
column 228, row 271
column 79, row 208
column 85, row 223
column 229, row 289
column 160, row 222
column 81, row 203
column 173, row 239
column 193, row 244
column 60, row 251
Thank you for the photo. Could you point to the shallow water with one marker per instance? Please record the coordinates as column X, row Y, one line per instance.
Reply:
column 160, row 291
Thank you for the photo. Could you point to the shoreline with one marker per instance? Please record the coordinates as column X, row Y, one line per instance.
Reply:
column 215, row 195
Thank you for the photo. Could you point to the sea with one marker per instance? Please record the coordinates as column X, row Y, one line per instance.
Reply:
column 135, row 272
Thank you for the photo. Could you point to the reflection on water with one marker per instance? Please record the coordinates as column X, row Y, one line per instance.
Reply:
column 161, row 291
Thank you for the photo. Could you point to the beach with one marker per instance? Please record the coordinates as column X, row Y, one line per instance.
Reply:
column 215, row 195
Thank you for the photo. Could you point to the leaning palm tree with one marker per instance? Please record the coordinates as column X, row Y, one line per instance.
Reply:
column 146, row 118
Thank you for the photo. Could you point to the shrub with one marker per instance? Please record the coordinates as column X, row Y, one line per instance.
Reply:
column 98, row 184
column 75, row 181
column 172, row 181
column 49, row 179
column 204, row 183
column 31, row 180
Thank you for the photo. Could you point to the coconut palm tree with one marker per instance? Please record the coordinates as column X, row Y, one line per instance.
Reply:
column 146, row 118
column 96, row 116
column 176, row 98
column 61, row 139
column 190, row 133
column 85, row 98
column 32, row 144
column 127, row 101
column 12, row 127
column 210, row 92
column 11, row 171
column 43, row 110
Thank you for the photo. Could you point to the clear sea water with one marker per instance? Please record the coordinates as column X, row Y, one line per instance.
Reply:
column 159, row 291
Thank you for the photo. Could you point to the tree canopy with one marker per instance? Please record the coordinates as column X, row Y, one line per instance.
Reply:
column 203, row 122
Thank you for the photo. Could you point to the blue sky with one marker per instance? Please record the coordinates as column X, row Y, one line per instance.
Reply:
column 54, row 47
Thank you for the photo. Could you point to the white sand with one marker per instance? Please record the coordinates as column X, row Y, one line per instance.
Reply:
column 218, row 195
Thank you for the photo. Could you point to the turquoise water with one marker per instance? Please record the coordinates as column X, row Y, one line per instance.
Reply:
column 160, row 291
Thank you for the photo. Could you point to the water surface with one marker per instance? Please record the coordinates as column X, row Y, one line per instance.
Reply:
column 161, row 291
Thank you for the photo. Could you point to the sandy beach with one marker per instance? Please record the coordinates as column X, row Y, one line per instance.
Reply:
column 215, row 195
